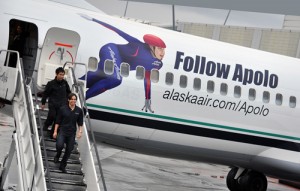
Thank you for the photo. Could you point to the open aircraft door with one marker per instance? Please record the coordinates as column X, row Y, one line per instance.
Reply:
column 60, row 46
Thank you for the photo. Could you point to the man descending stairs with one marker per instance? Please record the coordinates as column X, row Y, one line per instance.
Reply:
column 73, row 178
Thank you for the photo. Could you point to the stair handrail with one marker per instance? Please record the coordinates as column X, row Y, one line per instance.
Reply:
column 37, row 109
column 29, row 101
column 85, row 109
column 94, row 141
column 15, row 139
column 26, row 131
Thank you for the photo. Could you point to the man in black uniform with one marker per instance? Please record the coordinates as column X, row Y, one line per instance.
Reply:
column 57, row 90
column 67, row 118
column 17, row 44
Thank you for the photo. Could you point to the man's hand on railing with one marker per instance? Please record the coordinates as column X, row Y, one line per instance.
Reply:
column 79, row 134
column 54, row 135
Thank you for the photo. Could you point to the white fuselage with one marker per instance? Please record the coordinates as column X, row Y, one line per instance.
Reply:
column 244, row 114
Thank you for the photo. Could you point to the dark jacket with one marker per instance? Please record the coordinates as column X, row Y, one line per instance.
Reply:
column 67, row 119
column 57, row 91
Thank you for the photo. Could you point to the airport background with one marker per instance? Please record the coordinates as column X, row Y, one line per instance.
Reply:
column 276, row 33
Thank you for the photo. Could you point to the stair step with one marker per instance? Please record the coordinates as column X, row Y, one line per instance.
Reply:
column 68, row 182
column 66, row 186
column 52, row 142
column 65, row 181
column 66, row 177
column 70, row 161
column 51, row 154
column 70, row 166
column 53, row 149
column 70, row 171
column 43, row 113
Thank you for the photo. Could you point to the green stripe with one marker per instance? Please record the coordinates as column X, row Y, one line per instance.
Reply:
column 193, row 122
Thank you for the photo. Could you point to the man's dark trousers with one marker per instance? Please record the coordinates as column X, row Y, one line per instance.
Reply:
column 69, row 141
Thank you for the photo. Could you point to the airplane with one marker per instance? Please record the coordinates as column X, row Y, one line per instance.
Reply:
column 160, row 92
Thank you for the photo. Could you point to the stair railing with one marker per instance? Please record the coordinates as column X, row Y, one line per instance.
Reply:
column 30, row 165
column 87, row 158
column 37, row 110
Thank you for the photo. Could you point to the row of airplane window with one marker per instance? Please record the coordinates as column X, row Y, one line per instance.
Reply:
column 183, row 82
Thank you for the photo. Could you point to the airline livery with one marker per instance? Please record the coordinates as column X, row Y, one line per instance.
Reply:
column 165, row 93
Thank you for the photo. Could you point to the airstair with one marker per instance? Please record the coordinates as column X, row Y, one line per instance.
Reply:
column 73, row 179
column 33, row 149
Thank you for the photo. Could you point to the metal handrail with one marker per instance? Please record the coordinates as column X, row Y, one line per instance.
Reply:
column 22, row 83
column 48, row 174
column 83, row 103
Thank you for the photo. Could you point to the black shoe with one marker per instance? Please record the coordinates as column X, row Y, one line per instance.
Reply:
column 56, row 160
column 63, row 169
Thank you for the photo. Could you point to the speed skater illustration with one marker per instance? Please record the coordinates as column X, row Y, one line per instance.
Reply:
column 148, row 54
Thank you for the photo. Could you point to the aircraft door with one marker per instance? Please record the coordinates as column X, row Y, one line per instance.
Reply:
column 23, row 37
column 60, row 46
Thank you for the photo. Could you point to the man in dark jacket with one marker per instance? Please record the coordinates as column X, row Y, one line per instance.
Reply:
column 57, row 90
column 17, row 44
column 68, row 117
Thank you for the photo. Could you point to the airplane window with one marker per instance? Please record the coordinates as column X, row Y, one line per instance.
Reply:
column 169, row 78
column 266, row 97
column 197, row 84
column 140, row 72
column 109, row 67
column 252, row 94
column 292, row 101
column 92, row 64
column 237, row 91
column 154, row 76
column 183, row 81
column 210, row 86
column 125, row 68
column 278, row 99
column 223, row 89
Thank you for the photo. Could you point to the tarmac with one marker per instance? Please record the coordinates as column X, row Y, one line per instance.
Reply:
column 129, row 171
